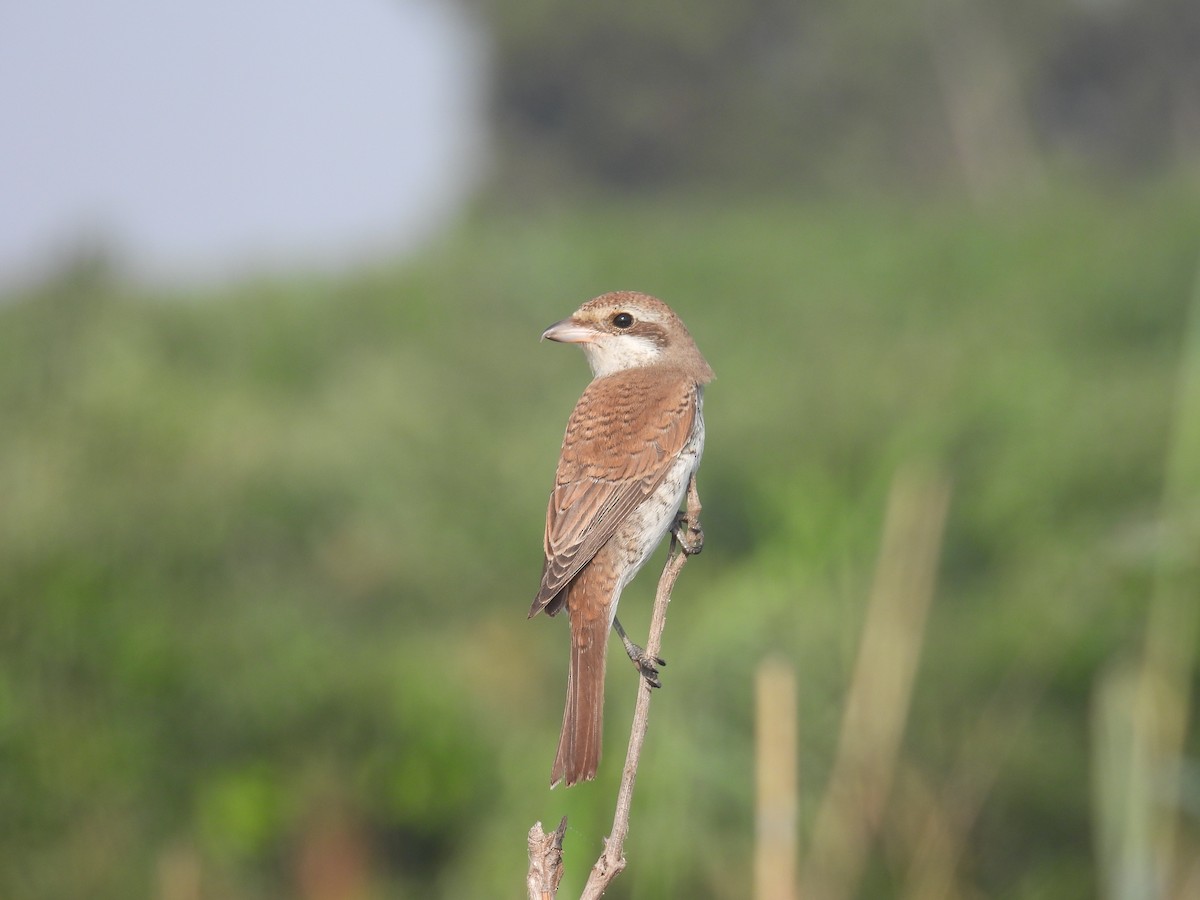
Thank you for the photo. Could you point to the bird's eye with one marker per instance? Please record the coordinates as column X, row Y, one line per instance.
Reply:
column 622, row 320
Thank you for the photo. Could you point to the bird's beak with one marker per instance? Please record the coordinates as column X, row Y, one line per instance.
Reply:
column 569, row 331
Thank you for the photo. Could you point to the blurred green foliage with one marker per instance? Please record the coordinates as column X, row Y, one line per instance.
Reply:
column 266, row 552
column 838, row 96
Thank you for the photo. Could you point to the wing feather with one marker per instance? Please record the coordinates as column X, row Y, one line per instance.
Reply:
column 623, row 436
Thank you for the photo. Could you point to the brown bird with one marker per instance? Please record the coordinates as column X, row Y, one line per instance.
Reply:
column 630, row 452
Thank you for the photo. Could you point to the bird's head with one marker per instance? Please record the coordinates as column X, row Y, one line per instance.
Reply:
column 627, row 330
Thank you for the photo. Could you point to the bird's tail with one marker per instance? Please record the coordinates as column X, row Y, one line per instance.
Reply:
column 578, row 753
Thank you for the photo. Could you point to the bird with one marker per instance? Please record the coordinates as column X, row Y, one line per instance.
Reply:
column 629, row 455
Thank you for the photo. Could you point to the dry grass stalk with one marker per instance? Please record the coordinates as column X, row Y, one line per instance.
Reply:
column 775, row 743
column 1141, row 719
column 936, row 826
column 881, row 686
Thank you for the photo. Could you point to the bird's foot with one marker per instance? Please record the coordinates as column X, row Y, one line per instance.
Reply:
column 689, row 534
column 646, row 664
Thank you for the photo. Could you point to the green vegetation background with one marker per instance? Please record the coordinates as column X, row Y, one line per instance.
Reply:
column 266, row 553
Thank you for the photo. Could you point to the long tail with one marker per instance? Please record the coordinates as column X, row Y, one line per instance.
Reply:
column 579, row 741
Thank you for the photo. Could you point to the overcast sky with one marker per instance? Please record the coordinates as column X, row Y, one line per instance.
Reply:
column 200, row 139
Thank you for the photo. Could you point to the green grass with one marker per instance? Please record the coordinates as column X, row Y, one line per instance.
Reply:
column 265, row 555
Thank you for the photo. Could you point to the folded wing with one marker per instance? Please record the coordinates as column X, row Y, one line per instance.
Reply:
column 621, row 440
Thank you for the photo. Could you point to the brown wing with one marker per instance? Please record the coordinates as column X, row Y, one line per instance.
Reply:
column 621, row 440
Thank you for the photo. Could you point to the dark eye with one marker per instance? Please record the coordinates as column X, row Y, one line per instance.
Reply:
column 622, row 320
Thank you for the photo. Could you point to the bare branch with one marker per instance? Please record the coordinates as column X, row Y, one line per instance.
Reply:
column 545, row 861
column 545, row 851
column 687, row 540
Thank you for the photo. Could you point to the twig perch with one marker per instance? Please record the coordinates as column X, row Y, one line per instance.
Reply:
column 687, row 539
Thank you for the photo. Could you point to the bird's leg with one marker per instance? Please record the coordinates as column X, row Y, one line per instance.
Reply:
column 646, row 664
column 686, row 529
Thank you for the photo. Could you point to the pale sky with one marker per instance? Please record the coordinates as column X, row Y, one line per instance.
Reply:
column 207, row 139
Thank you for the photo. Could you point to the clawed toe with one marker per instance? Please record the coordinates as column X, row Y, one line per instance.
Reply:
column 648, row 666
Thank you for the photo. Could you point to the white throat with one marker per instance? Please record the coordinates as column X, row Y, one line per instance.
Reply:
column 618, row 352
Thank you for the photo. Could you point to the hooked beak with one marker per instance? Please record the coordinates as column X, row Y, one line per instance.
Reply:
column 569, row 331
